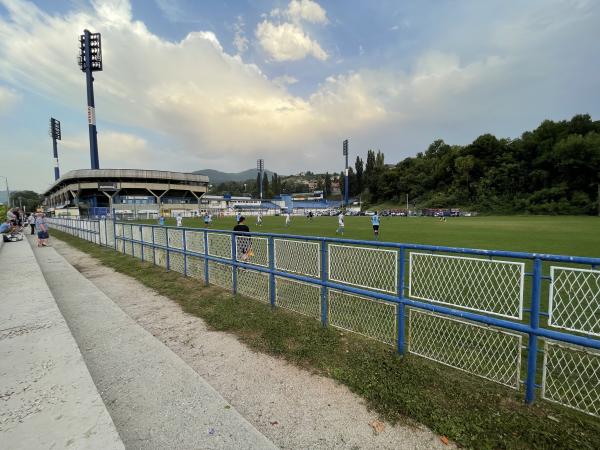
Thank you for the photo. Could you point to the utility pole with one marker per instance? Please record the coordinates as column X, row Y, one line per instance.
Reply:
column 345, row 153
column 406, row 205
column 56, row 136
column 90, row 60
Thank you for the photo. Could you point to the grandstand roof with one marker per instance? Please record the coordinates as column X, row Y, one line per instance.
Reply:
column 161, row 176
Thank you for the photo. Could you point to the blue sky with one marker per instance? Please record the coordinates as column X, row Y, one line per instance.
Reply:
column 217, row 84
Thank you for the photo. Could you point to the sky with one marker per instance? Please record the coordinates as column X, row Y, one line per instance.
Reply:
column 191, row 85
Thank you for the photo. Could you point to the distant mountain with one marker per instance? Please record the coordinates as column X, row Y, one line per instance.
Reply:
column 216, row 176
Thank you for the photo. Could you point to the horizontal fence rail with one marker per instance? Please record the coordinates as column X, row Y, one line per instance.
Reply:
column 488, row 313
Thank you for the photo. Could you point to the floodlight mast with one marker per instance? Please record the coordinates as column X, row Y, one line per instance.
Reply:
column 90, row 60
column 260, row 166
column 56, row 136
column 345, row 153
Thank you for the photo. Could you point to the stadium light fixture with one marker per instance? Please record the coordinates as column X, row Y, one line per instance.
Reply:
column 90, row 60
column 260, row 166
column 55, row 134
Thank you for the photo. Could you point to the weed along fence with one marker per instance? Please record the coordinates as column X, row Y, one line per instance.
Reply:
column 511, row 318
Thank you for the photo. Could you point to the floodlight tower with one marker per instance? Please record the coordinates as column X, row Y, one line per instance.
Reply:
column 260, row 166
column 56, row 136
column 345, row 153
column 90, row 60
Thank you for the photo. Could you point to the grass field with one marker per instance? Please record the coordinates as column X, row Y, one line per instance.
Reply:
column 568, row 235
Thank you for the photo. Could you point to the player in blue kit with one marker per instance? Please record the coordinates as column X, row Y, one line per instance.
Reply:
column 375, row 223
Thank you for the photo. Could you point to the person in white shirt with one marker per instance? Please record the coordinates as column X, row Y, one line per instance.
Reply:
column 288, row 219
column 259, row 220
column 179, row 220
column 340, row 228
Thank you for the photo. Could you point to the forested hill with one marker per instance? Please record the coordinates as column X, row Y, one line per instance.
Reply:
column 554, row 169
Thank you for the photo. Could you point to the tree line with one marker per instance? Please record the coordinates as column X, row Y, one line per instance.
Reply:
column 554, row 169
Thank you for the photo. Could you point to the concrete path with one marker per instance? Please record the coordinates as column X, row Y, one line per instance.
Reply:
column 47, row 397
column 155, row 399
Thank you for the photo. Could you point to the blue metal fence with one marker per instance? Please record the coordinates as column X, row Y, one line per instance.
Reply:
column 464, row 308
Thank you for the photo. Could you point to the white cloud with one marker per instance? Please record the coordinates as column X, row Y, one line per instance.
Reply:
column 285, row 80
column 306, row 10
column 287, row 42
column 8, row 99
column 240, row 42
column 171, row 9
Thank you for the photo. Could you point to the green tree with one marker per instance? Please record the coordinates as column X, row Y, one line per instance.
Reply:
column 359, row 168
column 27, row 200
column 327, row 184
column 266, row 190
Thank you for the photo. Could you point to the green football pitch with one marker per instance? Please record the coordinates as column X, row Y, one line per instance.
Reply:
column 566, row 235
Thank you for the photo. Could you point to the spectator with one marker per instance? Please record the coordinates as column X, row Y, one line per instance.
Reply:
column 244, row 244
column 42, row 227
column 31, row 221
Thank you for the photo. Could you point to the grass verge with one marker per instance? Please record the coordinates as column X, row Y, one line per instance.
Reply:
column 469, row 410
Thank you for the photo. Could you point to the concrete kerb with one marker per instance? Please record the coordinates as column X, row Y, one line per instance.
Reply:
column 48, row 397
column 155, row 399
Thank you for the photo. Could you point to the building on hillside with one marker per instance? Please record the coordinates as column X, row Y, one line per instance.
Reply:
column 126, row 193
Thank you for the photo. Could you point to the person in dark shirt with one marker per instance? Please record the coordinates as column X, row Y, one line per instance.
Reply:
column 244, row 243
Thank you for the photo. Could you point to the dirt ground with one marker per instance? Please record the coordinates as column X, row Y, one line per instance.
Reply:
column 292, row 407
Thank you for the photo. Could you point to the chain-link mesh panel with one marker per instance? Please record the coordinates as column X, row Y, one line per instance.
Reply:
column 371, row 268
column 494, row 287
column 175, row 238
column 253, row 284
column 301, row 297
column 136, row 233
column 219, row 244
column 160, row 257
column 176, row 262
column 160, row 236
column 372, row 318
column 195, row 267
column 194, row 241
column 220, row 275
column 137, row 250
column 299, row 257
column 252, row 250
column 148, row 253
column 110, row 233
column 147, row 234
column 483, row 351
column 128, row 231
column 102, row 237
column 128, row 248
column 575, row 299
column 572, row 377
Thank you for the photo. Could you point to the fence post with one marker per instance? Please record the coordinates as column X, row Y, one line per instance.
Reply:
column 184, row 253
column 234, row 262
column 400, row 308
column 131, row 241
column 534, row 322
column 324, row 276
column 153, row 247
column 206, row 258
column 115, row 233
column 167, row 251
column 272, row 268
column 141, row 243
